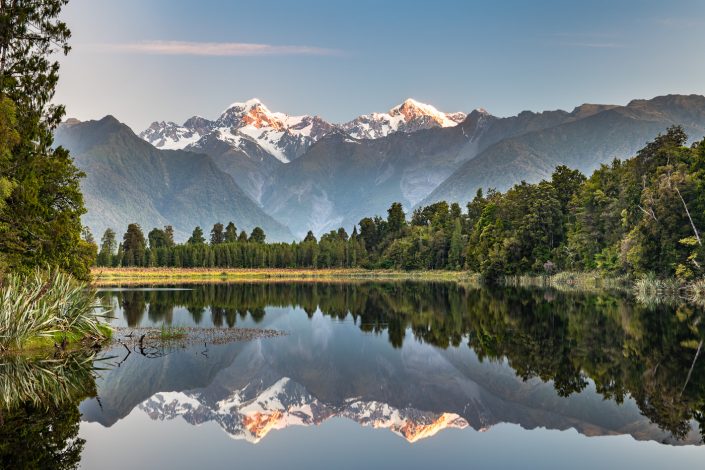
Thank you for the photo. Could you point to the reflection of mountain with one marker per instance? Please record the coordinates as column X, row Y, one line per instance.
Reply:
column 287, row 403
column 327, row 366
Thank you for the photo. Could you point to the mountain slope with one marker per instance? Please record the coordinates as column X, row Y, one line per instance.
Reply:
column 128, row 180
column 596, row 136
column 247, row 141
column 342, row 179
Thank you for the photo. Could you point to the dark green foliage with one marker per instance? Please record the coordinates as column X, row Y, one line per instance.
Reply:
column 257, row 235
column 133, row 246
column 158, row 239
column 39, row 184
column 108, row 244
column 197, row 237
column 230, row 233
column 217, row 234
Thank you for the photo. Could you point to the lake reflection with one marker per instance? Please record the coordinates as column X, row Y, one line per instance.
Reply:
column 413, row 360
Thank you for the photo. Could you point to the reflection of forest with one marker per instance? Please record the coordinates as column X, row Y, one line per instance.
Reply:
column 39, row 416
column 647, row 352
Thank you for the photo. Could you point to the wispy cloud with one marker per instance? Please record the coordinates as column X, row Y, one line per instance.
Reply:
column 594, row 45
column 583, row 34
column 215, row 49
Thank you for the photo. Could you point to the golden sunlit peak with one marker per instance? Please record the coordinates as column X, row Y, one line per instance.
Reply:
column 413, row 431
column 259, row 424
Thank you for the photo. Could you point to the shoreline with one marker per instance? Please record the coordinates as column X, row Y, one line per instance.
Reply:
column 120, row 276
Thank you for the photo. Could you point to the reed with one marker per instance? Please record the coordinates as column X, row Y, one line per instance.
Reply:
column 48, row 306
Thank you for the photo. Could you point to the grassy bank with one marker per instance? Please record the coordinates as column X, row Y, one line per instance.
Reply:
column 126, row 276
column 48, row 308
column 567, row 280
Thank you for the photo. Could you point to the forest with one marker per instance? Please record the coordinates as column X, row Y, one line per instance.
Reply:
column 637, row 216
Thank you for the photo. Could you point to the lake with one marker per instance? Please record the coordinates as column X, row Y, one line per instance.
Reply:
column 370, row 374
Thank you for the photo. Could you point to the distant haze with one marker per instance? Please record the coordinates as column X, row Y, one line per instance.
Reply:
column 170, row 59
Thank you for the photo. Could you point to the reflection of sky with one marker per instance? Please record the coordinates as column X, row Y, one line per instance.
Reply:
column 341, row 443
column 139, row 442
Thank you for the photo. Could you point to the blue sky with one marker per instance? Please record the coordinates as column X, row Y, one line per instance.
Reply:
column 146, row 60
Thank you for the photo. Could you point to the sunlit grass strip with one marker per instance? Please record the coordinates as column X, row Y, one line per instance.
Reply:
column 48, row 306
column 105, row 276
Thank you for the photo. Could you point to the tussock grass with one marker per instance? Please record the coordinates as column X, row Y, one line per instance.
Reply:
column 696, row 291
column 45, row 381
column 47, row 307
column 168, row 333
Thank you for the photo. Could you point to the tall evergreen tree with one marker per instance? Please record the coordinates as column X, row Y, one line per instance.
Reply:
column 134, row 246
column 157, row 239
column 197, row 237
column 107, row 248
column 40, row 223
column 310, row 237
column 396, row 218
column 217, row 234
column 230, row 233
column 257, row 235
column 169, row 236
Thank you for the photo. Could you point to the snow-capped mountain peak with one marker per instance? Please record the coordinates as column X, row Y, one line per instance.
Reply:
column 171, row 136
column 411, row 109
column 283, row 136
column 409, row 116
column 286, row 137
column 252, row 113
column 251, row 414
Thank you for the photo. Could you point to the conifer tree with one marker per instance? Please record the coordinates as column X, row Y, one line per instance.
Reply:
column 197, row 237
column 40, row 223
column 230, row 233
column 217, row 234
column 257, row 235
column 107, row 248
column 134, row 246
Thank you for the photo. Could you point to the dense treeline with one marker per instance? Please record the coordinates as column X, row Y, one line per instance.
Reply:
column 635, row 216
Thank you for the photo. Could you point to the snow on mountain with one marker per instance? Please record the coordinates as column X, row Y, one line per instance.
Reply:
column 410, row 116
column 287, row 137
column 282, row 136
column 287, row 403
column 171, row 136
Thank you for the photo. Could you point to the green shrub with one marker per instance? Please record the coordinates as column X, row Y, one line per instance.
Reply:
column 46, row 307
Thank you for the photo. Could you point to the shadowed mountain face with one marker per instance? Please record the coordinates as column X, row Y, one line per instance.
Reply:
column 593, row 136
column 128, row 180
column 413, row 358
column 312, row 175
column 341, row 179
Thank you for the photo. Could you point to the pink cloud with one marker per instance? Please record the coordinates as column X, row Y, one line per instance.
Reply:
column 216, row 49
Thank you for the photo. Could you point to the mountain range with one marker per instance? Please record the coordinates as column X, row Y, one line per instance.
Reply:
column 128, row 180
column 252, row 388
column 303, row 173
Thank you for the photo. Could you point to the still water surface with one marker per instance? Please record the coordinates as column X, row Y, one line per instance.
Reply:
column 379, row 375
